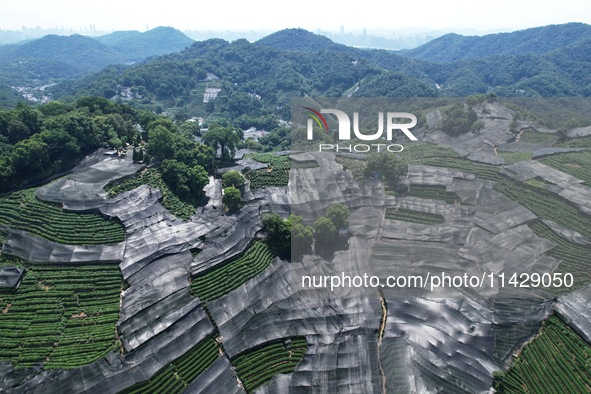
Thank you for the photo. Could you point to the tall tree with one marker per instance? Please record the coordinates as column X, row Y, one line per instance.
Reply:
column 339, row 215
column 187, row 182
column 301, row 235
column 192, row 153
column 387, row 166
column 278, row 236
column 232, row 198
column 161, row 143
column 326, row 232
column 232, row 178
column 30, row 156
column 225, row 137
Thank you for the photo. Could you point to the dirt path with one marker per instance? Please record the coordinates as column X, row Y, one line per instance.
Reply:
column 381, row 336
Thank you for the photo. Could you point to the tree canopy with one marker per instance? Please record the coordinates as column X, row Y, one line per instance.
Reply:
column 232, row 198
column 458, row 120
column 326, row 232
column 232, row 178
column 226, row 138
column 339, row 215
column 187, row 182
column 301, row 235
column 282, row 235
column 278, row 235
column 36, row 143
column 387, row 166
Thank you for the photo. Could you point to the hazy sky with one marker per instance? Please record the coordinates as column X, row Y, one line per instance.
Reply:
column 449, row 15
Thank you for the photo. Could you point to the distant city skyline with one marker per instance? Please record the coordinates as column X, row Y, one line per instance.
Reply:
column 378, row 38
column 422, row 15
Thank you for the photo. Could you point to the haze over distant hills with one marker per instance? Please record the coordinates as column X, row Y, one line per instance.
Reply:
column 295, row 62
column 55, row 57
column 548, row 61
column 538, row 40
column 300, row 40
column 158, row 41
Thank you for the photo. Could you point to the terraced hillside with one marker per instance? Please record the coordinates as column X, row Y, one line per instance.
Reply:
column 433, row 192
column 175, row 377
column 581, row 142
column 514, row 157
column 357, row 167
column 277, row 173
column 576, row 164
column 150, row 176
column 244, row 323
column 22, row 210
column 258, row 366
column 574, row 257
column 536, row 137
column 543, row 203
column 556, row 361
column 61, row 317
column 414, row 216
column 230, row 275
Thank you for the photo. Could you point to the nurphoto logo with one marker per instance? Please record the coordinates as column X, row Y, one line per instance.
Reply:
column 344, row 130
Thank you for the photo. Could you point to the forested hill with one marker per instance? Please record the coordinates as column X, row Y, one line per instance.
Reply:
column 256, row 78
column 8, row 97
column 158, row 41
column 300, row 40
column 252, row 77
column 56, row 57
column 452, row 47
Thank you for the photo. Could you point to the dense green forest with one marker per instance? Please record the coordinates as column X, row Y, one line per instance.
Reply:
column 256, row 82
column 39, row 142
column 538, row 40
column 8, row 97
column 300, row 40
column 136, row 45
column 255, row 79
column 54, row 58
column 260, row 78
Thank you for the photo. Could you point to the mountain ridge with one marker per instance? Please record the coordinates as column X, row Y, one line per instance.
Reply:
column 295, row 62
column 75, row 55
column 298, row 39
column 158, row 41
column 537, row 40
